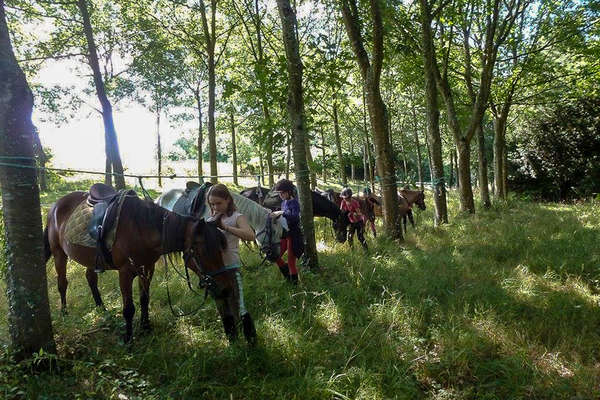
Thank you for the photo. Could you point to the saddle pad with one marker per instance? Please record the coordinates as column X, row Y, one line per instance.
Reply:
column 76, row 229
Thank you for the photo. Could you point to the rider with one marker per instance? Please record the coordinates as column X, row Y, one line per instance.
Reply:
column 234, row 226
column 293, row 241
column 356, row 218
column 368, row 194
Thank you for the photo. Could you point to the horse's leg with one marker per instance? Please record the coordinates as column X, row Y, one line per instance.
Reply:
column 144, row 286
column 411, row 219
column 228, row 320
column 60, row 265
column 125, row 281
column 92, row 278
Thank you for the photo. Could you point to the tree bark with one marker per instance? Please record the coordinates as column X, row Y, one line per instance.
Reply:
column 296, row 115
column 371, row 73
column 29, row 322
column 500, row 119
column 465, row 190
column 433, row 119
column 158, row 147
column 288, row 152
column 233, row 149
column 111, row 142
column 309, row 158
column 418, row 146
column 338, row 145
column 41, row 160
column 323, row 168
column 211, row 39
column 200, row 143
column 484, row 191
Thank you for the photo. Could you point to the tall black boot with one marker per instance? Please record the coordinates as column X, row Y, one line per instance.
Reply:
column 285, row 271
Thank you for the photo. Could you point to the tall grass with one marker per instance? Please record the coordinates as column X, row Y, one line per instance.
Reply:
column 499, row 305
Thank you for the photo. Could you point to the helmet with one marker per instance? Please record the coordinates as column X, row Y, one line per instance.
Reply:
column 367, row 191
column 346, row 193
column 284, row 185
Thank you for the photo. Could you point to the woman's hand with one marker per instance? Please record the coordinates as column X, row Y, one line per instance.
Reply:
column 276, row 214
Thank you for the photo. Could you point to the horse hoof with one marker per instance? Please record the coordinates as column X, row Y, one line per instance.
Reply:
column 249, row 329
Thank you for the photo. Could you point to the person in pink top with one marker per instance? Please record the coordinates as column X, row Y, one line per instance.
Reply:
column 356, row 218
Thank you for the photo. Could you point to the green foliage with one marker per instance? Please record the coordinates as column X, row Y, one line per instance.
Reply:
column 559, row 156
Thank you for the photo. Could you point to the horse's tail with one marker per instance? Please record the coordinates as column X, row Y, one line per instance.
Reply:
column 47, row 251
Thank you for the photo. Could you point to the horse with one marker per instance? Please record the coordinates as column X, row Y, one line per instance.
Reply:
column 257, row 194
column 268, row 230
column 407, row 198
column 143, row 233
column 367, row 205
column 322, row 207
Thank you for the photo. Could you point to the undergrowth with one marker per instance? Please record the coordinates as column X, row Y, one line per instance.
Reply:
column 502, row 304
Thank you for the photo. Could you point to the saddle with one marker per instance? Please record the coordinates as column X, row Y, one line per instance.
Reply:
column 192, row 203
column 105, row 202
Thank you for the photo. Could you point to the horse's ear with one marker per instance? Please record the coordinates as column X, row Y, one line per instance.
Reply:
column 191, row 185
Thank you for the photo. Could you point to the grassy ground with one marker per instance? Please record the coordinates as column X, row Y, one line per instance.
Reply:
column 500, row 305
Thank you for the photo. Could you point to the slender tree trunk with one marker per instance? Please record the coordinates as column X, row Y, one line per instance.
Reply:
column 296, row 115
column 352, row 166
column 370, row 68
column 309, row 158
column 483, row 173
column 29, row 322
column 288, row 152
column 158, row 147
column 434, row 138
column 499, row 151
column 212, row 133
column 269, row 149
column 451, row 180
column 233, row 149
column 404, row 165
column 200, row 143
column 465, row 189
column 107, row 169
column 324, row 168
column 41, row 160
column 338, row 145
column 418, row 147
column 369, row 169
column 112, row 149
column 262, row 168
column 456, row 168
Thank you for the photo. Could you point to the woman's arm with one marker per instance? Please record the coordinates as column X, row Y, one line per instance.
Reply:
column 243, row 230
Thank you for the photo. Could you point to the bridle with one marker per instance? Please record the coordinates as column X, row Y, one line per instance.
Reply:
column 267, row 246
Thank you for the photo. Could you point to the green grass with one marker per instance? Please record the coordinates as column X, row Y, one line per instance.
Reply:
column 499, row 305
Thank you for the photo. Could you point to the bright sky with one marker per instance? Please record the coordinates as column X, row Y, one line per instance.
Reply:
column 79, row 144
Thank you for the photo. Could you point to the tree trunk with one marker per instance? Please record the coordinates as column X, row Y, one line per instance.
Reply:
column 404, row 165
column 158, row 147
column 41, row 160
column 483, row 167
column 233, row 149
column 370, row 174
column 261, row 168
column 296, row 115
column 338, row 146
column 112, row 145
column 288, row 152
column 107, row 169
column 324, row 168
column 464, row 177
column 309, row 158
column 29, row 322
column 200, row 135
column 370, row 69
column 418, row 146
column 451, row 179
column 212, row 133
column 499, row 153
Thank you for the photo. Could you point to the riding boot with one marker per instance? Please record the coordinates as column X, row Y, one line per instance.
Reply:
column 285, row 271
column 293, row 278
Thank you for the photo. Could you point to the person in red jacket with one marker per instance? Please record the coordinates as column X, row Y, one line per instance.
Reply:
column 356, row 218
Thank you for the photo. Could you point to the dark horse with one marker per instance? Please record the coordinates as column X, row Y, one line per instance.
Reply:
column 322, row 207
column 145, row 231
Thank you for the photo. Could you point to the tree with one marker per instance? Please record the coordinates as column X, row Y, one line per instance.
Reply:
column 296, row 116
column 370, row 68
column 30, row 325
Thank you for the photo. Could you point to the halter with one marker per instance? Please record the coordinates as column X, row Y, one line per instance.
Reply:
column 266, row 246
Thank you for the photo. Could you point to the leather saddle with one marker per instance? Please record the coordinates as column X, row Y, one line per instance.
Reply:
column 192, row 203
column 105, row 201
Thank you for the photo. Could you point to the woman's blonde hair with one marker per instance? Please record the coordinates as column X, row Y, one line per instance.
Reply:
column 221, row 191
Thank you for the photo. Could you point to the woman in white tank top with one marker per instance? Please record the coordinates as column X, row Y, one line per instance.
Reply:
column 235, row 226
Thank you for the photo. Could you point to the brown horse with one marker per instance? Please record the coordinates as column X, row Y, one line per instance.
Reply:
column 407, row 198
column 145, row 231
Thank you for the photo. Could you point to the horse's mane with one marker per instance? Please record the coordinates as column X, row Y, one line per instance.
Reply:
column 144, row 212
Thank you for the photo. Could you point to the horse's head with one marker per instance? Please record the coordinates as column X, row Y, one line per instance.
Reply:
column 340, row 226
column 269, row 238
column 420, row 200
column 202, row 254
